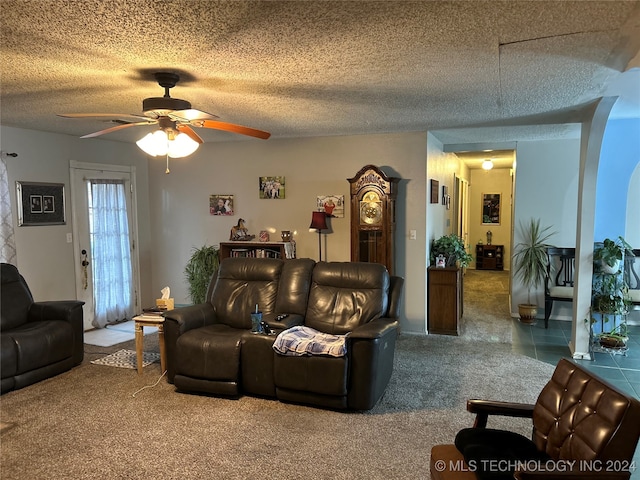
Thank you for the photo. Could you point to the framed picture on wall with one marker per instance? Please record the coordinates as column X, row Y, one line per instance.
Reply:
column 221, row 204
column 272, row 187
column 491, row 209
column 435, row 186
column 332, row 205
column 40, row 203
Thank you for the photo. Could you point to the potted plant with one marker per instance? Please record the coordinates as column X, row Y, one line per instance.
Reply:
column 530, row 258
column 610, row 295
column 200, row 268
column 608, row 254
column 616, row 338
column 453, row 249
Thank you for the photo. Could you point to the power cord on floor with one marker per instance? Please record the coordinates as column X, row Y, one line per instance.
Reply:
column 149, row 386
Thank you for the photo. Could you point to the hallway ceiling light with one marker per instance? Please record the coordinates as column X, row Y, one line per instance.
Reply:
column 487, row 164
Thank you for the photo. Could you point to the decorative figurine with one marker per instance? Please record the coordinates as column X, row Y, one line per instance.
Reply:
column 240, row 232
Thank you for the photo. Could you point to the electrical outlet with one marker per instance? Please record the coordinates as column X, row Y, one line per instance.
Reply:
column 69, row 238
column 412, row 235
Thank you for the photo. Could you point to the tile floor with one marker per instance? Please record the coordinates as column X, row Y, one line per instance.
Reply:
column 549, row 345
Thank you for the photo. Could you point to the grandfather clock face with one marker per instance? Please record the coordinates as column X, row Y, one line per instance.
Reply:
column 372, row 217
column 371, row 209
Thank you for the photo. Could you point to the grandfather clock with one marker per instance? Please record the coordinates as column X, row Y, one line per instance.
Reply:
column 373, row 216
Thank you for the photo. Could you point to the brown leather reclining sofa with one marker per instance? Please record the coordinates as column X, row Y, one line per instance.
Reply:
column 210, row 347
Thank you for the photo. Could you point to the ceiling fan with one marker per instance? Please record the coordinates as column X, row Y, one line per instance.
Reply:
column 173, row 115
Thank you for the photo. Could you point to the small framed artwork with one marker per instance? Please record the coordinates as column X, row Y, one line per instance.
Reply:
column 435, row 186
column 490, row 209
column 445, row 194
column 221, row 204
column 332, row 205
column 272, row 188
column 40, row 203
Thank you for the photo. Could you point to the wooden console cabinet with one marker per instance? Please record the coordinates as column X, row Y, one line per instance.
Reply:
column 489, row 257
column 445, row 300
column 284, row 250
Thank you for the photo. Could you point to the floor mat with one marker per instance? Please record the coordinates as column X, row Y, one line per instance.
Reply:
column 127, row 359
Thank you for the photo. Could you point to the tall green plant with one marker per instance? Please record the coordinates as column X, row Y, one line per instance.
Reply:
column 530, row 255
column 203, row 263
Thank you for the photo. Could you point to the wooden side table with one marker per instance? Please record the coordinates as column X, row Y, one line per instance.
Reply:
column 148, row 321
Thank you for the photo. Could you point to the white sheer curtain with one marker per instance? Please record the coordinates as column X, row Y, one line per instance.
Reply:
column 109, row 230
column 8, row 250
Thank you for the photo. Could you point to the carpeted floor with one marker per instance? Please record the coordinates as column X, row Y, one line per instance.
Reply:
column 486, row 306
column 95, row 422
column 86, row 423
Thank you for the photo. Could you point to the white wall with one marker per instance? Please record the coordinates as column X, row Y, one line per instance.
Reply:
column 442, row 167
column 179, row 202
column 44, row 257
column 547, row 188
column 173, row 209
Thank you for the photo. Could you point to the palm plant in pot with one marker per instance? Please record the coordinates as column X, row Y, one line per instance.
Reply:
column 530, row 258
column 202, row 264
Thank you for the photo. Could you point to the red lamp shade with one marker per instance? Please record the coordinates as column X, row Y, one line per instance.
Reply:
column 319, row 221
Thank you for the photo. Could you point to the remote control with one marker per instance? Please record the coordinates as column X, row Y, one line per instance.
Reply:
column 265, row 328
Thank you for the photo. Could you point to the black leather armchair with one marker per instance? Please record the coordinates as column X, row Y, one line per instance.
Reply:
column 39, row 339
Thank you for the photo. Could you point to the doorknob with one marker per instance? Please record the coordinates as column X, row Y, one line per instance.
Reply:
column 85, row 274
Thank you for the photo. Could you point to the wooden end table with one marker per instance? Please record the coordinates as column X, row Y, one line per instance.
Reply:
column 148, row 321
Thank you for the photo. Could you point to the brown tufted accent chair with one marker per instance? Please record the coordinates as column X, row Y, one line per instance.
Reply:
column 583, row 427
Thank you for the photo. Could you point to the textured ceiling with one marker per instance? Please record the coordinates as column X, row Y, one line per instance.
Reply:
column 322, row 68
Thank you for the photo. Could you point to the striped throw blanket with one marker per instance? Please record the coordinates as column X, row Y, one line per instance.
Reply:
column 299, row 341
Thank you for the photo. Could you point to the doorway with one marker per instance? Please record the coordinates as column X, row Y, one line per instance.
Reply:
column 103, row 203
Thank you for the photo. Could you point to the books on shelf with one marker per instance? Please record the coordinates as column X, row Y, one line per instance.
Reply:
column 255, row 253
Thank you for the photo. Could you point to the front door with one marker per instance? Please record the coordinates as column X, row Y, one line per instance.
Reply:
column 105, row 232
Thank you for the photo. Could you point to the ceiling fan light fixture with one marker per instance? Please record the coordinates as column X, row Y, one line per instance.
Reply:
column 158, row 144
column 487, row 164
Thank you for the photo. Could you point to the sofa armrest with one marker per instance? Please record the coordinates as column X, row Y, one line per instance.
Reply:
column 179, row 321
column 66, row 310
column 193, row 316
column 370, row 348
column 69, row 311
column 375, row 329
column 484, row 408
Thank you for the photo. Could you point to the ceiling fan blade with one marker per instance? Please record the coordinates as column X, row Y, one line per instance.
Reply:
column 231, row 127
column 102, row 115
column 186, row 129
column 116, row 128
column 190, row 115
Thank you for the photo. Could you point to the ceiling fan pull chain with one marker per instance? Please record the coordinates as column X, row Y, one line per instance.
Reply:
column 167, row 170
